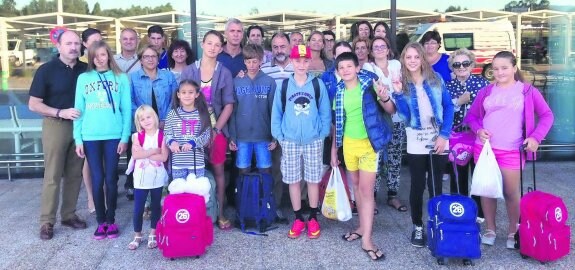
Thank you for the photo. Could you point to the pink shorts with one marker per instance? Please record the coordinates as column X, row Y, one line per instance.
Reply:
column 218, row 150
column 506, row 159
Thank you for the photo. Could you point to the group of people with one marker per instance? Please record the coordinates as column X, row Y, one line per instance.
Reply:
column 299, row 109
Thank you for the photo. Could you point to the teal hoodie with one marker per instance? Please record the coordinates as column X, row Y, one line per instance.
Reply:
column 302, row 122
column 105, row 106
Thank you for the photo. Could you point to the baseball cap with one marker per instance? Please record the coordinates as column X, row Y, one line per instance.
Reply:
column 300, row 51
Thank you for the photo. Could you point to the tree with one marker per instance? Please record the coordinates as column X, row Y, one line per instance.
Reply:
column 531, row 5
column 8, row 8
column 97, row 10
column 254, row 11
column 38, row 7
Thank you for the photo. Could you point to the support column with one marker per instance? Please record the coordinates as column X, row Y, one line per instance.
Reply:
column 118, row 30
column 518, row 41
column 4, row 53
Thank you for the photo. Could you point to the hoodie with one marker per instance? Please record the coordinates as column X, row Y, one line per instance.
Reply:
column 302, row 122
column 105, row 106
column 250, row 121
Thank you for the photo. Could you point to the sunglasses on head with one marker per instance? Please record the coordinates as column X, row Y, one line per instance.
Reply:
column 465, row 64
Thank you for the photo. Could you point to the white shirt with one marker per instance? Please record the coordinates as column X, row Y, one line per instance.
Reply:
column 393, row 68
column 149, row 174
column 419, row 139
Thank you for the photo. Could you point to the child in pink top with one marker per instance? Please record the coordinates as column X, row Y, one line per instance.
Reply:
column 504, row 113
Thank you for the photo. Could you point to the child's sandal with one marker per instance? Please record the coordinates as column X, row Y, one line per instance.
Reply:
column 135, row 243
column 152, row 241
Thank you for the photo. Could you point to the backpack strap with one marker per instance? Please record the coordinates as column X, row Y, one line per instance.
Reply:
column 316, row 89
column 160, row 138
column 284, row 93
column 141, row 137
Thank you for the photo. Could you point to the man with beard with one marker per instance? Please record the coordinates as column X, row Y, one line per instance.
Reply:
column 279, row 68
column 52, row 95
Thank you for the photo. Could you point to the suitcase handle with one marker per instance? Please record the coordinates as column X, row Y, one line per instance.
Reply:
column 522, row 149
column 431, row 152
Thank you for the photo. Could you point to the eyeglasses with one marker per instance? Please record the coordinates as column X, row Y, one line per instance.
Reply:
column 149, row 57
column 465, row 64
column 379, row 48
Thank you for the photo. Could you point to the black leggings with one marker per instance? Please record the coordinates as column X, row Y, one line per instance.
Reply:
column 418, row 167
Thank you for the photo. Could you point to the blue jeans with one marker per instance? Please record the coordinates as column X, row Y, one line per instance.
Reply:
column 103, row 161
column 246, row 150
column 140, row 196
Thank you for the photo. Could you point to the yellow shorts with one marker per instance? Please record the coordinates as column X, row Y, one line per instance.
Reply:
column 359, row 155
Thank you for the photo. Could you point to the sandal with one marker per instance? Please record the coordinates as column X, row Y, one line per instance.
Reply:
column 488, row 238
column 224, row 224
column 373, row 254
column 135, row 243
column 351, row 236
column 396, row 204
column 152, row 241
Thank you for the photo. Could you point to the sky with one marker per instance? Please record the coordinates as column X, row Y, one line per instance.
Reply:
column 229, row 8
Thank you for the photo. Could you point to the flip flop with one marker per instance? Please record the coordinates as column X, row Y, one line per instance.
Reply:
column 224, row 224
column 348, row 236
column 374, row 253
column 399, row 207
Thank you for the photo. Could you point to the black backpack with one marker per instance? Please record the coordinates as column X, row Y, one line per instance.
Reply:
column 315, row 83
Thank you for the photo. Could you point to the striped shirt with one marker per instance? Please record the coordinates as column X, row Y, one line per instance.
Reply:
column 183, row 127
column 277, row 72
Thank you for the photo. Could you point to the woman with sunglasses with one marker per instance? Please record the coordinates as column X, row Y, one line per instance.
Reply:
column 386, row 68
column 463, row 90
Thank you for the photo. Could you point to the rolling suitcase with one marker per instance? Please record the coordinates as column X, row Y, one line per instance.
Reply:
column 452, row 227
column 543, row 233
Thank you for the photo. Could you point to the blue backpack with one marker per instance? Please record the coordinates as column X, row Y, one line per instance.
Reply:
column 255, row 202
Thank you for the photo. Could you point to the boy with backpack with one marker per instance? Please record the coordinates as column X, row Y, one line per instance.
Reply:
column 301, row 119
column 249, row 124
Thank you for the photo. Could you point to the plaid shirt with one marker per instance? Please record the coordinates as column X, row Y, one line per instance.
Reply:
column 366, row 82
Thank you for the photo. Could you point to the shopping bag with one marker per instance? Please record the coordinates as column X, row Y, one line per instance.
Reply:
column 487, row 180
column 335, row 202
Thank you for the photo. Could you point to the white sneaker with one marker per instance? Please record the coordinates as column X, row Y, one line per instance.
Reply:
column 511, row 241
column 488, row 238
column 445, row 177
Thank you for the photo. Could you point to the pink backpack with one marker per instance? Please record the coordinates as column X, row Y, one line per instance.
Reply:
column 543, row 232
column 184, row 230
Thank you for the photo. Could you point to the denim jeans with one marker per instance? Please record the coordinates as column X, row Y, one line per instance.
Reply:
column 140, row 196
column 246, row 150
column 103, row 160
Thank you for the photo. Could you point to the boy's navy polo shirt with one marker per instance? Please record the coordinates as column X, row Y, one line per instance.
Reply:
column 234, row 64
column 55, row 83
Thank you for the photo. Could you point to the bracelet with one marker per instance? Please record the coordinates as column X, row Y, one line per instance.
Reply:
column 387, row 100
column 58, row 113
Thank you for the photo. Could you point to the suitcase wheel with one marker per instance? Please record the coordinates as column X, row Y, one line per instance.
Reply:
column 468, row 262
column 197, row 257
column 171, row 259
column 441, row 261
column 523, row 256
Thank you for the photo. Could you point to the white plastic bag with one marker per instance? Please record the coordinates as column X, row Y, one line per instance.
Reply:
column 335, row 203
column 487, row 180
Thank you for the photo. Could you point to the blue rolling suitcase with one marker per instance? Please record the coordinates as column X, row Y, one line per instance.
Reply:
column 452, row 228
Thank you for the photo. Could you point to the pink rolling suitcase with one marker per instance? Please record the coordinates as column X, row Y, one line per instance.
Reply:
column 543, row 233
column 184, row 230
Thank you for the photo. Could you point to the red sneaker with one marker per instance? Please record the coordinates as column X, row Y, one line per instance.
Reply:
column 313, row 229
column 296, row 229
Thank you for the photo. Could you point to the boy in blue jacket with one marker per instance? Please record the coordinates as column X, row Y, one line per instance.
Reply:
column 300, row 126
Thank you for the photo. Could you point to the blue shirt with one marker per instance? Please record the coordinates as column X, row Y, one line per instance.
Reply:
column 163, row 61
column 442, row 67
column 163, row 86
column 234, row 64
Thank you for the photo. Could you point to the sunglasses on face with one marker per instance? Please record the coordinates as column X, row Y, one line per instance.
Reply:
column 465, row 64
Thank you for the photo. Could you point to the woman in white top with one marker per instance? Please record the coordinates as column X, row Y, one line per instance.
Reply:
column 387, row 68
